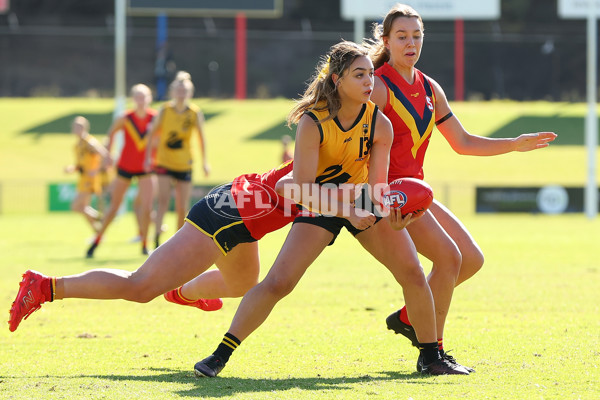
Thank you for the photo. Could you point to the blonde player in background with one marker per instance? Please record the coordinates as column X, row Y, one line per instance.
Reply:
column 171, row 135
column 89, row 155
column 135, row 124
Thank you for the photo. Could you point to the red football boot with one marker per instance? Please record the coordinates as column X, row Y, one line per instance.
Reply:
column 34, row 290
column 174, row 296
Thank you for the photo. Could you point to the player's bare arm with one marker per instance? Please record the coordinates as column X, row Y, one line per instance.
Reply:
column 466, row 143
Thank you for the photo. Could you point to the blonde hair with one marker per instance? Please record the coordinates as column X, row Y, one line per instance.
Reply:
column 83, row 121
column 141, row 88
column 183, row 78
column 321, row 93
column 379, row 54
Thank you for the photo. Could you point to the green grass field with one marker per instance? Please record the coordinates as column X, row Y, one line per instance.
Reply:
column 528, row 322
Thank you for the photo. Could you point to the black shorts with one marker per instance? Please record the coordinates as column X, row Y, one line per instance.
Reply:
column 128, row 175
column 185, row 176
column 217, row 217
column 329, row 223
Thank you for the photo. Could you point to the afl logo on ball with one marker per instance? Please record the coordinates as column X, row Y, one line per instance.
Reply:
column 394, row 199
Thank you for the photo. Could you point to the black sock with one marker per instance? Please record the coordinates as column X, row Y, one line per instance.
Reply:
column 227, row 346
column 430, row 352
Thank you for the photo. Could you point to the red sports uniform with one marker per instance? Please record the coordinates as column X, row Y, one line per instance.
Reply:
column 136, row 139
column 411, row 109
column 260, row 207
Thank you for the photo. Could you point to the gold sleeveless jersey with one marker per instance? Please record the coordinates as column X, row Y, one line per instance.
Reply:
column 87, row 157
column 88, row 162
column 174, row 151
column 344, row 155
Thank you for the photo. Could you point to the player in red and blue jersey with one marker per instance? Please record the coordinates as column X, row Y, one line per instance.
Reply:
column 415, row 103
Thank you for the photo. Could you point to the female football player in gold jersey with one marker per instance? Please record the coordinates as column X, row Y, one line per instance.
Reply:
column 342, row 138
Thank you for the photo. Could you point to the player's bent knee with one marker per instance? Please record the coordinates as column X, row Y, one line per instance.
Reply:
column 278, row 287
column 472, row 263
column 412, row 277
column 142, row 297
column 476, row 261
column 454, row 262
column 141, row 292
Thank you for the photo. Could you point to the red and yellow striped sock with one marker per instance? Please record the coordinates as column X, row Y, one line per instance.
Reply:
column 175, row 296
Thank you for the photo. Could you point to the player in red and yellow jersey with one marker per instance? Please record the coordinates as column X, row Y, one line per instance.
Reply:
column 135, row 125
column 171, row 136
column 412, row 115
column 258, row 210
column 414, row 103
column 222, row 229
column 89, row 155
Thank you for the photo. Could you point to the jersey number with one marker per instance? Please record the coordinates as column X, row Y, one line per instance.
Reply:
column 364, row 147
column 333, row 174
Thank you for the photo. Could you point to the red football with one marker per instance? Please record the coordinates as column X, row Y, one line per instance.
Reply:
column 409, row 194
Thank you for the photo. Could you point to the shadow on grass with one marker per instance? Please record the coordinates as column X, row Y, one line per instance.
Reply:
column 570, row 130
column 227, row 387
column 99, row 123
column 275, row 132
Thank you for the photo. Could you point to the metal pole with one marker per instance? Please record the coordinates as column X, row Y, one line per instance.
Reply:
column 359, row 29
column 359, row 23
column 591, row 125
column 120, row 56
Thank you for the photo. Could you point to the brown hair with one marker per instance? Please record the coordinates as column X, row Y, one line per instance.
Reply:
column 379, row 54
column 321, row 93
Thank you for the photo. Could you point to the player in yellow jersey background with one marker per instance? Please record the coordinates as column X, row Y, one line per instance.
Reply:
column 171, row 135
column 89, row 156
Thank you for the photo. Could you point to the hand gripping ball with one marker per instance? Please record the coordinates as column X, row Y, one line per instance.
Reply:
column 410, row 195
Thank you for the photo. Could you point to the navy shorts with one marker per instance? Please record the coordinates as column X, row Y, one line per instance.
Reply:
column 218, row 218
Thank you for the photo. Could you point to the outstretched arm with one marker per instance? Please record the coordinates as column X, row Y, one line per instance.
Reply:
column 466, row 143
